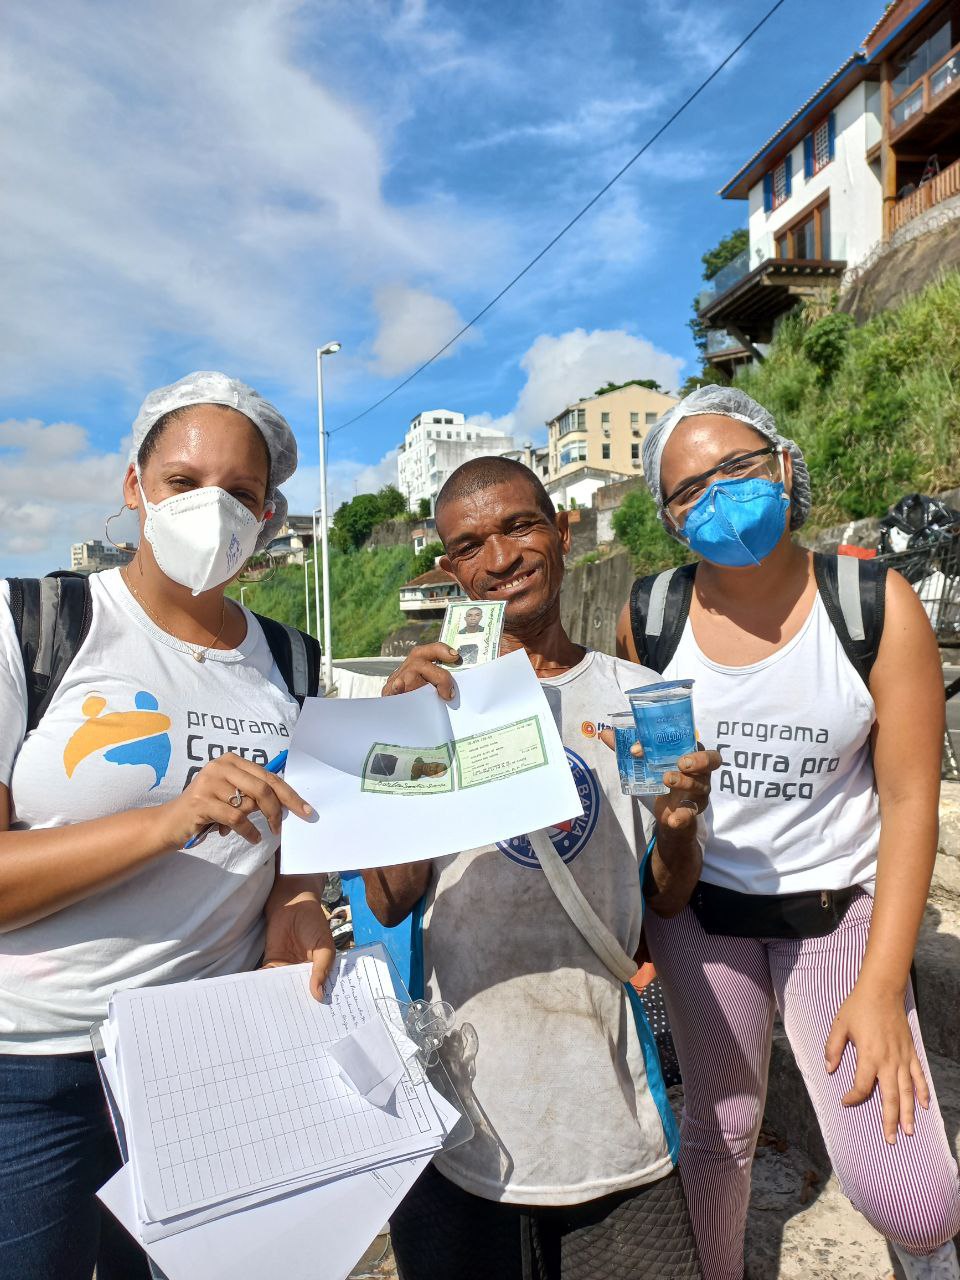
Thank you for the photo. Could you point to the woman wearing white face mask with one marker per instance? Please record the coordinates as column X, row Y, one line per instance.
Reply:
column 824, row 695
column 159, row 728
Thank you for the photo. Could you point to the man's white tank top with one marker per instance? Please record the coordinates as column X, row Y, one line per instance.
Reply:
column 794, row 805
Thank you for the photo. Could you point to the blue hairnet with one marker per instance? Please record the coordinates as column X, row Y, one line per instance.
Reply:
column 208, row 387
column 728, row 402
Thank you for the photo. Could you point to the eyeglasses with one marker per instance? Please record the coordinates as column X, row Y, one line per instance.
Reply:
column 745, row 465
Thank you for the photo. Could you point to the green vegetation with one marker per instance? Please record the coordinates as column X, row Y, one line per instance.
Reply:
column 650, row 383
column 426, row 559
column 875, row 409
column 637, row 526
column 365, row 586
column 353, row 521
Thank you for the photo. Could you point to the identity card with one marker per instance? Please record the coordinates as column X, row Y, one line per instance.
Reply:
column 473, row 628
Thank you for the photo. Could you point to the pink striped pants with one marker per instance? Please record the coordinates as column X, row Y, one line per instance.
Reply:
column 721, row 994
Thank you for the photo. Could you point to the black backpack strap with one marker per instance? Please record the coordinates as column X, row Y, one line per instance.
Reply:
column 853, row 592
column 51, row 617
column 659, row 607
column 297, row 656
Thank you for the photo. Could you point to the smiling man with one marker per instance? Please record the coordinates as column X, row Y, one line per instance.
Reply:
column 570, row 1172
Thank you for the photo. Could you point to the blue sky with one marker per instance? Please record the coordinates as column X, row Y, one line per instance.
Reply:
column 229, row 183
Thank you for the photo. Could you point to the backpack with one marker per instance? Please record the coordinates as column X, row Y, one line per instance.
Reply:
column 852, row 592
column 51, row 617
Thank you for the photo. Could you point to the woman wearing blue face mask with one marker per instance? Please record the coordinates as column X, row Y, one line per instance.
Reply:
column 808, row 903
column 158, row 730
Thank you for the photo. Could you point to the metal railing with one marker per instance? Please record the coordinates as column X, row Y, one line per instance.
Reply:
column 934, row 191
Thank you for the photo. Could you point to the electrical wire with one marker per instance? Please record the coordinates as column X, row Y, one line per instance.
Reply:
column 573, row 221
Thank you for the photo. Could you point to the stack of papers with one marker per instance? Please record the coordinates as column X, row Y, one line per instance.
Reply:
column 265, row 1133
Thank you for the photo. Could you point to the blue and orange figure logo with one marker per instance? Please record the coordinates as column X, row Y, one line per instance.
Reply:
column 569, row 838
column 124, row 737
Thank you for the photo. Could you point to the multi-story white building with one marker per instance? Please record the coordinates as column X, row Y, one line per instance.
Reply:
column 94, row 556
column 437, row 442
column 874, row 147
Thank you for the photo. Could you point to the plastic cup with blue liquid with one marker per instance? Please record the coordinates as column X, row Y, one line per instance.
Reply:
column 663, row 715
column 633, row 775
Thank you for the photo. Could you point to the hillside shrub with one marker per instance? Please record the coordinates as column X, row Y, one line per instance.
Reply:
column 637, row 525
column 876, row 408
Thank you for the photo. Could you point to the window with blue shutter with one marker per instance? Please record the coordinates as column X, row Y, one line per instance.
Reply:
column 832, row 133
column 788, row 174
column 768, row 193
column 808, row 169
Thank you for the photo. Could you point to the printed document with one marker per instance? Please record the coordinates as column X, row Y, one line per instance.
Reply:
column 412, row 776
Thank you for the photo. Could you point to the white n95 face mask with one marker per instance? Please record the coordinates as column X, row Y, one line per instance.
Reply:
column 201, row 538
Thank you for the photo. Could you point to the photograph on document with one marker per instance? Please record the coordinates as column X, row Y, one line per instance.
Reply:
column 473, row 628
column 410, row 771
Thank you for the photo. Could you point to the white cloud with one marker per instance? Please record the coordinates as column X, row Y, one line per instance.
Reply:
column 569, row 366
column 346, row 477
column 413, row 324
column 190, row 176
column 54, row 490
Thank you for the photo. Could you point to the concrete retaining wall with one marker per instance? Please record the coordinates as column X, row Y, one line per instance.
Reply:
column 591, row 600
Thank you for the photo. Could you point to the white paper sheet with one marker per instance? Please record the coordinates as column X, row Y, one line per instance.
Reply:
column 332, row 744
column 369, row 1062
column 317, row 1234
column 229, row 1090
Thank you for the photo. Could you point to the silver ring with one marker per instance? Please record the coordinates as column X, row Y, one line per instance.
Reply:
column 237, row 798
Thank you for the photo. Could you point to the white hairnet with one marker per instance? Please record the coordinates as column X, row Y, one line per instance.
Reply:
column 729, row 402
column 208, row 387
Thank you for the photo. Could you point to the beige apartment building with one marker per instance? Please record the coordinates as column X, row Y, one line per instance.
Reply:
column 597, row 441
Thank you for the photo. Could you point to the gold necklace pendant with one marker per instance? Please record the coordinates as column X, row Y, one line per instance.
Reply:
column 198, row 654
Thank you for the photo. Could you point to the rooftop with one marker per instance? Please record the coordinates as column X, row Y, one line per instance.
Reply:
column 432, row 578
column 896, row 20
column 830, row 92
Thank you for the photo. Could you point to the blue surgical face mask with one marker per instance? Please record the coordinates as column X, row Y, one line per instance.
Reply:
column 737, row 522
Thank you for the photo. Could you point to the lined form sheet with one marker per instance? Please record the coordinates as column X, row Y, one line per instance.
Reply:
column 230, row 1088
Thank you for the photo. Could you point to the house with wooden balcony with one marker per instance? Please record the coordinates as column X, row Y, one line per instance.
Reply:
column 915, row 47
column 873, row 148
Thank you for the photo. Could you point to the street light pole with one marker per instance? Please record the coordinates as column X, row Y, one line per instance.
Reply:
column 306, row 594
column 316, row 571
column 330, row 349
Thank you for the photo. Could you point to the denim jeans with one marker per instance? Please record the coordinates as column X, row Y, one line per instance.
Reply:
column 57, row 1148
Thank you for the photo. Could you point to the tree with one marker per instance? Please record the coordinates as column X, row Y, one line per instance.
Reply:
column 426, row 559
column 353, row 521
column 392, row 502
column 637, row 525
column 423, row 509
column 650, row 383
column 714, row 260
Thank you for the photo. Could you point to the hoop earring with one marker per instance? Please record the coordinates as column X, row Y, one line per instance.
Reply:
column 110, row 519
column 274, row 565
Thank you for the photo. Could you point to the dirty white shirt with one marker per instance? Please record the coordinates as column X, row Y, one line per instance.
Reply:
column 548, row 1058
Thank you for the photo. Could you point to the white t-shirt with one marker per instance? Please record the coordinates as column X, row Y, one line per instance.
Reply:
column 794, row 807
column 133, row 720
column 549, row 1059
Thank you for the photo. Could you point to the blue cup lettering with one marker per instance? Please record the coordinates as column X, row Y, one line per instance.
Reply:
column 663, row 715
column 634, row 777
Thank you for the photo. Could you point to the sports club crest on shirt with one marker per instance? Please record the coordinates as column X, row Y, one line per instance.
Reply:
column 569, row 838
